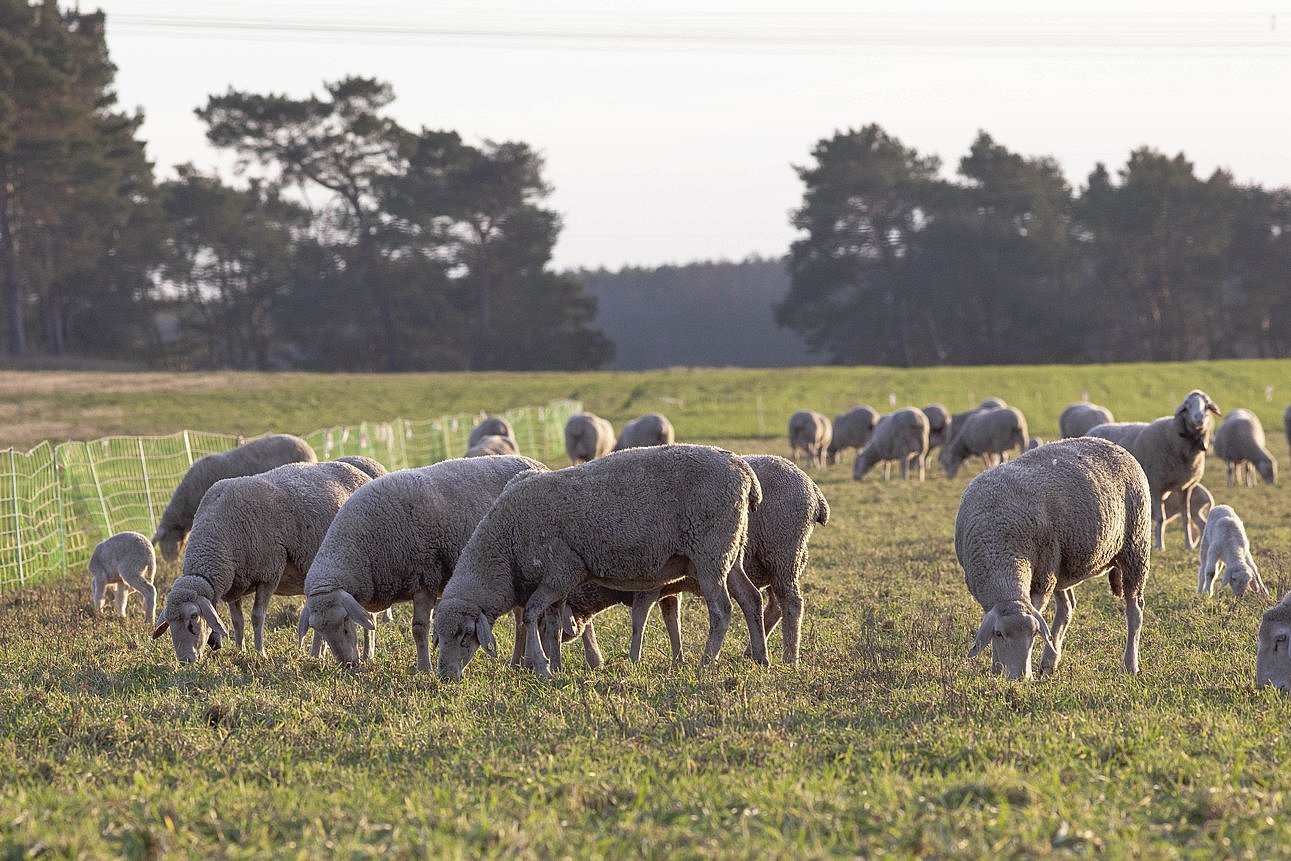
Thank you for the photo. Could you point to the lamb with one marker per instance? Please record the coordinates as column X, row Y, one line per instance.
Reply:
column 852, row 429
column 397, row 539
column 636, row 520
column 587, row 437
column 1224, row 545
column 987, row 432
column 1076, row 419
column 901, row 436
column 1272, row 658
column 366, row 465
column 776, row 557
column 1172, row 451
column 120, row 561
column 811, row 433
column 649, row 429
column 1035, row 527
column 256, row 456
column 491, row 426
column 253, row 534
column 1239, row 442
column 491, row 444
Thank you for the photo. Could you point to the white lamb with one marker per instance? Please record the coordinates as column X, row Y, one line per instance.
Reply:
column 120, row 561
column 1224, row 545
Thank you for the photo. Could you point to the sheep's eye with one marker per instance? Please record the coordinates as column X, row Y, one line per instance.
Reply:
column 1279, row 642
column 999, row 633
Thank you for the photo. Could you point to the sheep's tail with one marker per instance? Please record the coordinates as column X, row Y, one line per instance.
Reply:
column 755, row 487
column 822, row 505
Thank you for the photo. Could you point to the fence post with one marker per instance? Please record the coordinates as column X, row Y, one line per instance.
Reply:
column 188, row 448
column 62, row 518
column 147, row 490
column 17, row 516
column 98, row 488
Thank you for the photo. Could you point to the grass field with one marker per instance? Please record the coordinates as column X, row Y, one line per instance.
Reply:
column 886, row 740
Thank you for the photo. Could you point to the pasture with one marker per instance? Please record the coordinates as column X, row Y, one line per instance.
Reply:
column 886, row 740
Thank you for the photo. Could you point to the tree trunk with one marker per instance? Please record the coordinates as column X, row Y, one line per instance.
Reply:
column 12, row 288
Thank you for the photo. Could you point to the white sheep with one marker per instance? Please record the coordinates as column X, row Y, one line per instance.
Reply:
column 490, row 426
column 1272, row 656
column 492, row 444
column 587, row 437
column 637, row 519
column 956, row 423
column 901, row 436
column 1239, row 442
column 1224, row 546
column 258, row 455
column 811, row 433
column 649, row 429
column 776, row 557
column 984, row 432
column 1035, row 527
column 1078, row 418
column 253, row 534
column 370, row 467
column 1172, row 451
column 852, row 429
column 120, row 563
column 397, row 539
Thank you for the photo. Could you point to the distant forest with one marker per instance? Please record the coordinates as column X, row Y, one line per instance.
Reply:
column 700, row 314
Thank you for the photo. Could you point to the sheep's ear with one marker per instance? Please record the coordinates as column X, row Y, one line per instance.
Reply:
column 212, row 618
column 302, row 627
column 484, row 633
column 567, row 626
column 356, row 612
column 1256, row 580
column 983, row 638
column 1211, row 408
column 160, row 629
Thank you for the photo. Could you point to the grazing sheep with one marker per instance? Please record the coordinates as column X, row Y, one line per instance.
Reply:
column 986, row 432
column 1224, row 545
column 940, row 428
column 637, row 520
column 852, row 429
column 956, row 423
column 649, row 429
column 776, row 557
column 1199, row 504
column 901, row 436
column 1239, row 442
column 120, row 561
column 258, row 455
column 487, row 445
column 1286, row 425
column 397, row 539
column 366, row 465
column 491, row 426
column 1078, row 418
column 811, row 433
column 587, row 437
column 253, row 534
column 1172, row 451
column 1272, row 658
column 1036, row 527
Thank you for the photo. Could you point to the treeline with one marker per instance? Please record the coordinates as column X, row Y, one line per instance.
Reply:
column 1008, row 264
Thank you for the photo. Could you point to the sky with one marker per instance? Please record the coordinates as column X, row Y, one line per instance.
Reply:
column 670, row 131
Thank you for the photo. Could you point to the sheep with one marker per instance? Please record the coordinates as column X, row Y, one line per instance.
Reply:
column 811, row 433
column 637, row 519
column 397, row 539
column 1239, row 442
column 120, row 561
column 1224, row 545
column 1076, row 419
column 852, row 429
column 487, row 445
column 956, row 422
column 776, row 557
column 491, row 426
column 587, row 437
column 1272, row 659
column 940, row 428
column 252, row 534
column 1286, row 425
column 1035, row 527
column 649, row 429
column 1172, row 451
column 256, row 456
column 1200, row 502
column 986, row 432
column 366, row 465
column 901, row 436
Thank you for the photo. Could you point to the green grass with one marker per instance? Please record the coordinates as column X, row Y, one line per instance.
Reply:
column 887, row 740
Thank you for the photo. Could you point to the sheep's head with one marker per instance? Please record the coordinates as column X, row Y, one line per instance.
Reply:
column 1010, row 628
column 859, row 467
column 193, row 624
column 949, row 461
column 1241, row 576
column 460, row 629
column 1273, row 654
column 1268, row 470
column 170, row 540
column 333, row 615
column 1195, row 412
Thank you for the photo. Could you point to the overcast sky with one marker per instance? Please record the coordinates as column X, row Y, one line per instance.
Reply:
column 670, row 131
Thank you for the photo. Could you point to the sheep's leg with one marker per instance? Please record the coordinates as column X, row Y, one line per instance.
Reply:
column 719, row 616
column 517, row 651
column 771, row 616
column 543, row 597
column 259, row 610
column 238, row 621
column 423, row 602
column 549, row 632
column 147, row 590
column 98, row 591
column 641, row 604
column 1206, row 571
column 1064, row 604
column 1133, row 622
column 591, row 648
column 122, row 598
column 1188, row 541
column 368, row 639
column 791, row 606
column 1158, row 522
column 670, row 609
column 749, row 597
column 904, row 469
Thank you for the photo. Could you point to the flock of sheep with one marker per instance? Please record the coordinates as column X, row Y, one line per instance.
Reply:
column 637, row 519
